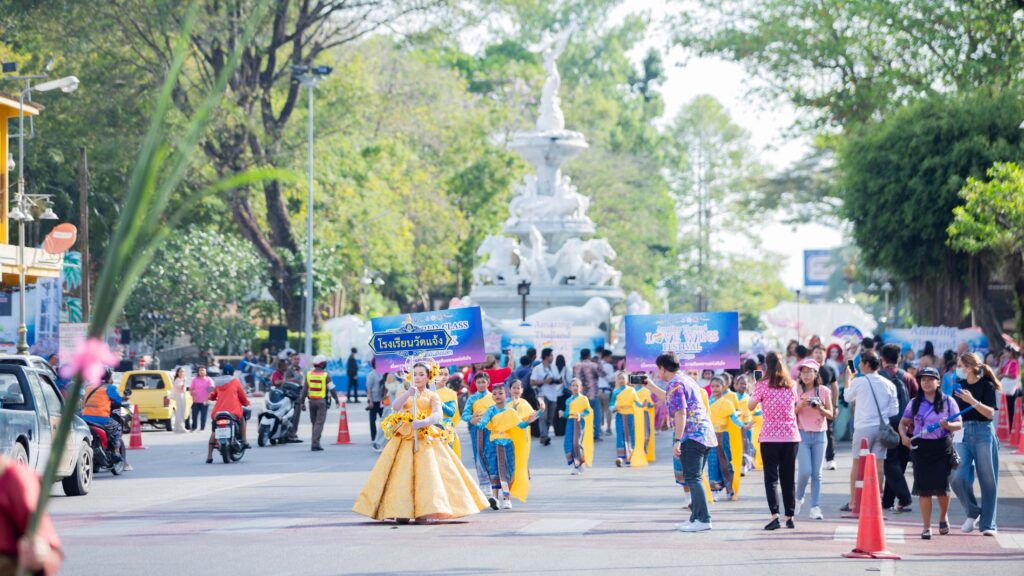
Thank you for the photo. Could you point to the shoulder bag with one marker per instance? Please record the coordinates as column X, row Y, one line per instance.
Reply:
column 888, row 437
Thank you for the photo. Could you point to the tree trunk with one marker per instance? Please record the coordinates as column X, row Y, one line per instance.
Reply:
column 984, row 313
column 939, row 299
column 1016, row 276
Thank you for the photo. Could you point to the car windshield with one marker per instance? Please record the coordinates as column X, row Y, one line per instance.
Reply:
column 146, row 382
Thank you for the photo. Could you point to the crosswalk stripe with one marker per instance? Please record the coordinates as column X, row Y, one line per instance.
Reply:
column 849, row 534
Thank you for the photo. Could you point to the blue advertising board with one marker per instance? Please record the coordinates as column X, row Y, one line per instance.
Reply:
column 818, row 267
column 449, row 337
column 701, row 341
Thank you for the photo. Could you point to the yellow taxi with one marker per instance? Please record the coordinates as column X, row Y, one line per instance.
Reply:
column 151, row 391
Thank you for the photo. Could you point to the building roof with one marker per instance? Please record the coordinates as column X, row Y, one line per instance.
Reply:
column 9, row 106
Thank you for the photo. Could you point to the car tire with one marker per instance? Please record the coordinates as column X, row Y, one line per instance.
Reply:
column 168, row 424
column 80, row 481
column 19, row 454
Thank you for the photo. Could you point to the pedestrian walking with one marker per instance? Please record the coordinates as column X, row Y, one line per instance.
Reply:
column 605, row 383
column 814, row 410
column 318, row 386
column 780, row 437
column 979, row 448
column 693, row 435
column 352, row 371
column 545, row 378
column 178, row 388
column 1009, row 381
column 896, row 495
column 200, row 390
column 930, row 451
column 375, row 395
column 874, row 400
column 828, row 371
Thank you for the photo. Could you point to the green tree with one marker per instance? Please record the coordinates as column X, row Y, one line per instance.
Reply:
column 202, row 284
column 851, row 60
column 991, row 220
column 901, row 180
column 713, row 173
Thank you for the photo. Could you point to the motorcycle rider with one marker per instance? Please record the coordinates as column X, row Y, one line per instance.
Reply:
column 101, row 400
column 295, row 374
column 318, row 386
column 230, row 398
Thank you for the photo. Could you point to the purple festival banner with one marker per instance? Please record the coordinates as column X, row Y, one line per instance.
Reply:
column 449, row 337
column 701, row 341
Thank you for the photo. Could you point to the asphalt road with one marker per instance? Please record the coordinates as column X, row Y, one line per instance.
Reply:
column 286, row 510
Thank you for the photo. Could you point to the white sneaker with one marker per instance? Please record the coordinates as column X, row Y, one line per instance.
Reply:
column 816, row 513
column 989, row 532
column 683, row 525
column 970, row 524
column 830, row 465
column 575, row 472
column 696, row 526
column 799, row 505
column 506, row 503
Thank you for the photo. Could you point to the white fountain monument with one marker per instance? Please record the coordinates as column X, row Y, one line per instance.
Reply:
column 546, row 235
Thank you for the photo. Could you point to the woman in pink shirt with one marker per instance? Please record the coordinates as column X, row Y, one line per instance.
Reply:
column 1009, row 376
column 813, row 411
column 780, row 436
column 200, row 391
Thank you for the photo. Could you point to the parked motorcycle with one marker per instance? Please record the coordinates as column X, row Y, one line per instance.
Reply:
column 227, row 433
column 275, row 423
column 105, row 456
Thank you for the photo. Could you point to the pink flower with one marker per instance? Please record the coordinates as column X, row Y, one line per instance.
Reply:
column 89, row 360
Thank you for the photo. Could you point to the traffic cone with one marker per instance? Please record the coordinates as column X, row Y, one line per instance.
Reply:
column 343, row 437
column 1003, row 425
column 1015, row 429
column 858, row 495
column 871, row 528
column 135, row 442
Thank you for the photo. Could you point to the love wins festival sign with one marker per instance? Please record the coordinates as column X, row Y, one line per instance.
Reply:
column 700, row 341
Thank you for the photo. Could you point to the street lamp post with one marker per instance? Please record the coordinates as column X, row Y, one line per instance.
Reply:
column 799, row 332
column 524, row 291
column 24, row 202
column 309, row 76
column 887, row 289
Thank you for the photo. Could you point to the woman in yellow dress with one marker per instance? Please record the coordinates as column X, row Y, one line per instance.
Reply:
column 417, row 476
column 645, row 412
column 521, row 440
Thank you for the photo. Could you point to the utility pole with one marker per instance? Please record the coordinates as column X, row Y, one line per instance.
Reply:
column 83, row 229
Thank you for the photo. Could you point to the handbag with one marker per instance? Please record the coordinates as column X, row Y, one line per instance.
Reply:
column 888, row 437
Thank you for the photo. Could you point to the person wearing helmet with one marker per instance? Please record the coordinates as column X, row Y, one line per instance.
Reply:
column 99, row 403
column 318, row 385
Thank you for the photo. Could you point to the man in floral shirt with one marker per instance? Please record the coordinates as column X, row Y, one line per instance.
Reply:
column 694, row 434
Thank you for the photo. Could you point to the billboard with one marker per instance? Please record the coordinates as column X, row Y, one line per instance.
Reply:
column 701, row 340
column 818, row 267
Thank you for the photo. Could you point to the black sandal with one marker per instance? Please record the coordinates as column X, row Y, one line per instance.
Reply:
column 846, row 508
column 926, row 535
column 943, row 528
column 773, row 525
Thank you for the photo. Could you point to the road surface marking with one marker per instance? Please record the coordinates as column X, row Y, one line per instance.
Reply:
column 1009, row 540
column 558, row 526
column 849, row 534
column 887, row 568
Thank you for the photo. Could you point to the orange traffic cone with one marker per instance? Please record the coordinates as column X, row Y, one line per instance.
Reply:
column 859, row 486
column 343, row 437
column 1003, row 425
column 1015, row 425
column 135, row 442
column 871, row 528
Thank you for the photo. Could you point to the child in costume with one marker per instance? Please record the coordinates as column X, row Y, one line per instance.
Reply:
column 740, row 385
column 501, row 420
column 645, row 413
column 476, row 405
column 449, row 406
column 629, row 432
column 579, row 438
column 725, row 417
column 521, row 440
column 417, row 476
